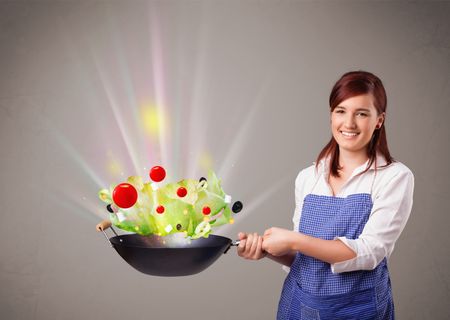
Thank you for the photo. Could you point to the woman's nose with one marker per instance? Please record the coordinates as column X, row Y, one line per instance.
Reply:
column 350, row 122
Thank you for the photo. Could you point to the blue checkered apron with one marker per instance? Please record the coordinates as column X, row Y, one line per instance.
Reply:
column 312, row 291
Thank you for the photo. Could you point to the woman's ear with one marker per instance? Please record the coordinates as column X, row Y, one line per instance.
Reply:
column 380, row 120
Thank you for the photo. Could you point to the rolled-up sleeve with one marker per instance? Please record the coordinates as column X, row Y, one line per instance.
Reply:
column 299, row 185
column 390, row 212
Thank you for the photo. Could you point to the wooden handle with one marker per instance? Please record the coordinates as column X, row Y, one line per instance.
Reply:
column 105, row 224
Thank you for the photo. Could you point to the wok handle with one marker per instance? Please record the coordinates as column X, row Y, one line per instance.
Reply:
column 102, row 226
column 105, row 224
column 233, row 243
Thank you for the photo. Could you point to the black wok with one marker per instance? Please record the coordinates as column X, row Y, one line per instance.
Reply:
column 169, row 256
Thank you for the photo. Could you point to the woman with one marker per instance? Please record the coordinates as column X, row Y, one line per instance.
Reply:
column 351, row 207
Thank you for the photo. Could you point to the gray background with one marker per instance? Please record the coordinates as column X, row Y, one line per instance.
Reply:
column 246, row 82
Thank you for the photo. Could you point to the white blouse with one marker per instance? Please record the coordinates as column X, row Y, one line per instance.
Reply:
column 391, row 188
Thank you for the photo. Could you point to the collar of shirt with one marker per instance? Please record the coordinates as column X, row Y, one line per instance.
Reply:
column 380, row 162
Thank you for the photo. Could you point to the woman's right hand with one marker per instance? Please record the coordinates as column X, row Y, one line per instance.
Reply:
column 250, row 246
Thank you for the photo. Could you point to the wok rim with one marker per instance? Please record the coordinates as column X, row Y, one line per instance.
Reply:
column 115, row 241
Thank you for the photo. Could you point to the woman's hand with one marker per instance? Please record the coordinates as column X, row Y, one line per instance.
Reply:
column 250, row 246
column 278, row 242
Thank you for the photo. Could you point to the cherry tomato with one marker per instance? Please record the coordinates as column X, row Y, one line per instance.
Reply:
column 124, row 195
column 206, row 210
column 157, row 173
column 181, row 192
column 160, row 209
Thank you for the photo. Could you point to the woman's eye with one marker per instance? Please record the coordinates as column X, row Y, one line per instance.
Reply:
column 339, row 111
column 362, row 114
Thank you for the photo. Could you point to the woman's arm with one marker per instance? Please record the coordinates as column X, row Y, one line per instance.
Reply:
column 390, row 212
column 285, row 260
column 281, row 242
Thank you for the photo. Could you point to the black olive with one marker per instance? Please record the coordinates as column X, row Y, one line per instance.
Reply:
column 237, row 207
column 201, row 179
column 178, row 226
column 108, row 207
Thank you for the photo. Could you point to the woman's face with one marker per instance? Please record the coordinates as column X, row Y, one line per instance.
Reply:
column 353, row 122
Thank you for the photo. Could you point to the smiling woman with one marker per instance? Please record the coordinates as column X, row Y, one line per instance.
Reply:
column 351, row 207
column 358, row 107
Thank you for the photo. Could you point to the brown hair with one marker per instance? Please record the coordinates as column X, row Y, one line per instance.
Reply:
column 353, row 84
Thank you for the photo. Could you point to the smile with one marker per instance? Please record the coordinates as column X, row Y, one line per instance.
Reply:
column 349, row 134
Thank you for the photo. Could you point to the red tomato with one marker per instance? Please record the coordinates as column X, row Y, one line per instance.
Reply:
column 181, row 192
column 124, row 195
column 206, row 210
column 157, row 173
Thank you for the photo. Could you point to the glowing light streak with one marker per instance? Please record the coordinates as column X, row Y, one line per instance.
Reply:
column 127, row 84
column 154, row 122
column 117, row 116
column 241, row 137
column 79, row 205
column 196, row 116
column 205, row 161
column 255, row 203
column 159, row 82
column 115, row 167
column 74, row 155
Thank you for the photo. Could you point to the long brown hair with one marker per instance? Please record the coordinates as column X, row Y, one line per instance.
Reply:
column 353, row 84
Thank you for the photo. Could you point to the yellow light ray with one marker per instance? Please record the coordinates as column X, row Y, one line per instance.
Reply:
column 205, row 161
column 153, row 120
column 114, row 166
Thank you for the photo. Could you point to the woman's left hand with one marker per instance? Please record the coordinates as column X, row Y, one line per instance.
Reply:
column 278, row 242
